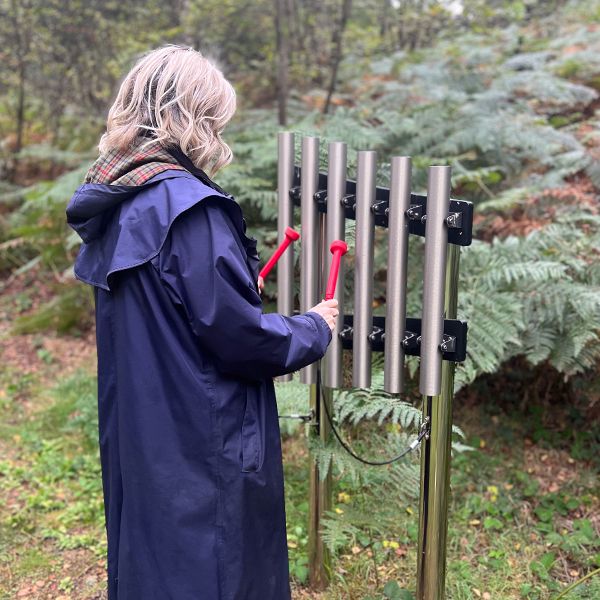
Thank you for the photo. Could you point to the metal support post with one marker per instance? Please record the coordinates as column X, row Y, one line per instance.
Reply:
column 319, row 557
column 435, row 463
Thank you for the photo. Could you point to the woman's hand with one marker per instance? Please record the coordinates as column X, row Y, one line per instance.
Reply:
column 328, row 310
column 261, row 284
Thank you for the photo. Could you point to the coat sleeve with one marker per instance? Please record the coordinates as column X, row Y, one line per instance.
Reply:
column 203, row 264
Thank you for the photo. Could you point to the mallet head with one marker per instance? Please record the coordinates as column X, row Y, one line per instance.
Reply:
column 292, row 234
column 338, row 246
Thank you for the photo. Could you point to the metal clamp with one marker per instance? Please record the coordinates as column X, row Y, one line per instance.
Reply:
column 380, row 208
column 448, row 343
column 454, row 220
column 304, row 418
column 415, row 212
column 410, row 337
column 377, row 334
column 425, row 427
column 349, row 201
column 321, row 199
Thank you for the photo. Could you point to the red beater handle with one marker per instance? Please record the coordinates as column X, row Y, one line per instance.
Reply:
column 338, row 249
column 291, row 235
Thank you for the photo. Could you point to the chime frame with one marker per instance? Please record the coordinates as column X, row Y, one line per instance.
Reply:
column 326, row 200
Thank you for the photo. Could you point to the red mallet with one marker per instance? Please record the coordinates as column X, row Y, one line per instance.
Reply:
column 338, row 249
column 290, row 236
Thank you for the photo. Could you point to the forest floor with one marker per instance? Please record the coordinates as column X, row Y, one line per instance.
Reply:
column 524, row 517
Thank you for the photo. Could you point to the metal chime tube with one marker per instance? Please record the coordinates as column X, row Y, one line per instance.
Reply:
column 285, row 219
column 310, row 242
column 336, row 189
column 363, row 268
column 395, row 318
column 434, row 274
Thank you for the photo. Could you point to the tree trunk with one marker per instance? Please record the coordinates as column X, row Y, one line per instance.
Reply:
column 337, row 51
column 20, row 52
column 282, row 53
column 384, row 20
column 20, row 109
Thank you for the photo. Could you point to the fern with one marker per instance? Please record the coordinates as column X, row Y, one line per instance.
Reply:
column 519, row 302
column 359, row 404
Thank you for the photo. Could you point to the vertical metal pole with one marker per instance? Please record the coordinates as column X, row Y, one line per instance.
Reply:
column 321, row 576
column 435, row 463
column 363, row 269
column 309, row 240
column 436, row 244
column 319, row 558
column 285, row 218
column 395, row 318
column 336, row 188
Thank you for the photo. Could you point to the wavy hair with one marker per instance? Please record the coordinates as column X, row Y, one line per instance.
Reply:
column 177, row 96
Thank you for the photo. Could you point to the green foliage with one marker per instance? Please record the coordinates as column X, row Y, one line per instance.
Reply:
column 392, row 591
column 538, row 296
column 65, row 60
column 381, row 427
column 38, row 231
column 71, row 310
column 58, row 472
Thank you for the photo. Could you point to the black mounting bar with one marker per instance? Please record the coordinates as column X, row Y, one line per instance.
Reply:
column 453, row 346
column 460, row 218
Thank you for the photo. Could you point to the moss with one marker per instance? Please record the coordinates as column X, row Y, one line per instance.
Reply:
column 570, row 68
column 558, row 121
column 71, row 311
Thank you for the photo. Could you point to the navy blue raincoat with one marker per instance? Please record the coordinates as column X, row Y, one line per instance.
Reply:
column 188, row 429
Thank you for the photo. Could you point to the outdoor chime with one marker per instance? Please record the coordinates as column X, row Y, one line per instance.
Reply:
column 326, row 200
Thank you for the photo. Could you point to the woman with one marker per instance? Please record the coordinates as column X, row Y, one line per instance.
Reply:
column 188, row 429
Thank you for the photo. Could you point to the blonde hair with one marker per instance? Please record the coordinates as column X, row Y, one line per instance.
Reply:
column 176, row 96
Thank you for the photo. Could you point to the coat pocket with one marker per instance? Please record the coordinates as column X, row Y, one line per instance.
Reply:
column 253, row 429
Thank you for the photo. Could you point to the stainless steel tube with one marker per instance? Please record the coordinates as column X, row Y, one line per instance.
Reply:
column 335, row 230
column 434, row 274
column 435, row 464
column 363, row 268
column 285, row 218
column 310, row 239
column 395, row 318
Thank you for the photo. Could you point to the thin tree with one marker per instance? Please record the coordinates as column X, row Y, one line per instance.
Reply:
column 338, row 33
column 20, row 39
column 282, row 52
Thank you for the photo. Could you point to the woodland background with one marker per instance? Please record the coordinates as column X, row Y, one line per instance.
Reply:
column 508, row 93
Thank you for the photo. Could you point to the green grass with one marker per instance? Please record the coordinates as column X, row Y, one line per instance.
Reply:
column 50, row 485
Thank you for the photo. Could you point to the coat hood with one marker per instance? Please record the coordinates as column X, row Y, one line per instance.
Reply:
column 124, row 226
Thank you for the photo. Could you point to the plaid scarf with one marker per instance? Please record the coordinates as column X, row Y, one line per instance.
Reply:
column 133, row 166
